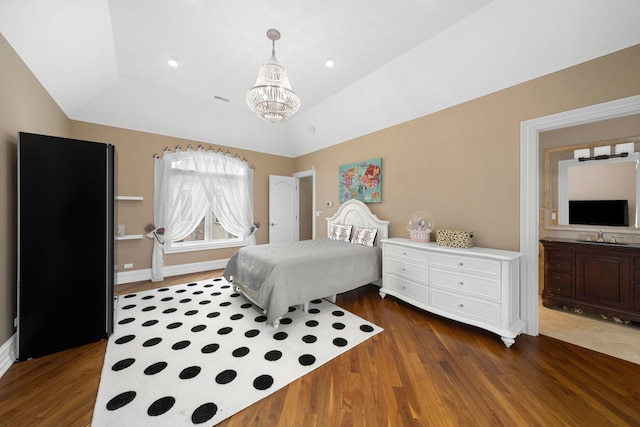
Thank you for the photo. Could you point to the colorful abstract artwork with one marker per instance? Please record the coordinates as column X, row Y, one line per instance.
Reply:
column 361, row 181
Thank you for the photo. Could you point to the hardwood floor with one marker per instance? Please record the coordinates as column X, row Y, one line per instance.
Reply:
column 423, row 370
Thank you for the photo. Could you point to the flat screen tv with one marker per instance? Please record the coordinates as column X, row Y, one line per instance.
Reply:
column 613, row 213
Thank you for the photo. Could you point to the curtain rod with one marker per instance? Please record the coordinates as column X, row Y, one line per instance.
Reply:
column 200, row 147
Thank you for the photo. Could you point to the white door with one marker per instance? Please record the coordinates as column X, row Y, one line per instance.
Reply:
column 283, row 209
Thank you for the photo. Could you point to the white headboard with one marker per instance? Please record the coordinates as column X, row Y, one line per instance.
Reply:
column 354, row 212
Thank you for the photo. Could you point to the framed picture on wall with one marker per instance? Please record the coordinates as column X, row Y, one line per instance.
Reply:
column 361, row 181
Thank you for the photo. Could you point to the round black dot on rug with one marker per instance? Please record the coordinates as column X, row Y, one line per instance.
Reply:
column 225, row 331
column 226, row 376
column 218, row 279
column 339, row 326
column 185, row 300
column 151, row 342
column 210, row 348
column 215, row 294
column 340, row 342
column 148, row 297
column 130, row 295
column 125, row 339
column 311, row 323
column 208, row 285
column 263, row 382
column 236, row 295
column 155, row 368
column 240, row 352
column 190, row 372
column 174, row 325
column 126, row 321
column 165, row 299
column 280, row 336
column 338, row 313
column 314, row 311
column 205, row 302
column 128, row 306
column 123, row 364
column 237, row 317
column 150, row 323
column 181, row 291
column 181, row 345
column 204, row 413
column 292, row 309
column 163, row 289
column 252, row 333
column 198, row 328
column 170, row 310
column 273, row 355
column 260, row 319
column 286, row 321
column 213, row 314
column 366, row 328
column 246, row 305
column 307, row 359
column 191, row 313
column 316, row 301
column 161, row 406
column 192, row 284
column 198, row 292
column 309, row 339
column 121, row 400
column 225, row 286
column 149, row 308
column 225, row 304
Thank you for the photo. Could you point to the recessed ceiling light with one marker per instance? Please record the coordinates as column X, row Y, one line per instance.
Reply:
column 329, row 64
column 172, row 63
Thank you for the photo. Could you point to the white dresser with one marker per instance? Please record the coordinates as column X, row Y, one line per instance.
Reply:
column 478, row 286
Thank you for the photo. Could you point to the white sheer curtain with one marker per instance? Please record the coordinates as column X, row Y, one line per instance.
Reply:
column 187, row 184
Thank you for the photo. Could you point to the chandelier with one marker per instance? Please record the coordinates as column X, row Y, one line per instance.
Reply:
column 272, row 98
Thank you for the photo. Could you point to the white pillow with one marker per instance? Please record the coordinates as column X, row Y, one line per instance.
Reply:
column 340, row 232
column 364, row 236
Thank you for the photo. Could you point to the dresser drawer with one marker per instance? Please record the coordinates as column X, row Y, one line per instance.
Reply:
column 416, row 272
column 467, row 264
column 469, row 308
column 471, row 285
column 408, row 254
column 412, row 290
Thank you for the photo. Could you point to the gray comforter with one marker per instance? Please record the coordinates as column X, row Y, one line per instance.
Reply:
column 280, row 275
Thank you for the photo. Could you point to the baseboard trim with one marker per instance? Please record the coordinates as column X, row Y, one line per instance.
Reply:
column 8, row 354
column 171, row 270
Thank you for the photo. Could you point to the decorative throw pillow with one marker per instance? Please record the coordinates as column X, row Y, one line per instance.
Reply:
column 364, row 236
column 340, row 232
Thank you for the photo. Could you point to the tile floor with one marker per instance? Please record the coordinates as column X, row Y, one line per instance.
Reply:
column 605, row 336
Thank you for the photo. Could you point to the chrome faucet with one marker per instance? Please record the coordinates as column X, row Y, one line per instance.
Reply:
column 600, row 236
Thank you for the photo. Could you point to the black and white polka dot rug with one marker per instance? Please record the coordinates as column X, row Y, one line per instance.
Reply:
column 195, row 354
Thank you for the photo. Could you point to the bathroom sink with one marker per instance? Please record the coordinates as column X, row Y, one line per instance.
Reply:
column 604, row 242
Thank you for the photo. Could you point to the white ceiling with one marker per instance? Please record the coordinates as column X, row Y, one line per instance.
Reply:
column 105, row 61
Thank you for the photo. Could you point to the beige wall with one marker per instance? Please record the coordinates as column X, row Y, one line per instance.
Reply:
column 135, row 178
column 460, row 164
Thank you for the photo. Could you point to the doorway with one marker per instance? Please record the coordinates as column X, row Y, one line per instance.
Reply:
column 530, row 190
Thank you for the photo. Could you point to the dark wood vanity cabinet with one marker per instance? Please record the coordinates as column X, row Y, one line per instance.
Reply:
column 597, row 277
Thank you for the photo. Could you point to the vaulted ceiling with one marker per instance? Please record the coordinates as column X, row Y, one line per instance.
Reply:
column 105, row 61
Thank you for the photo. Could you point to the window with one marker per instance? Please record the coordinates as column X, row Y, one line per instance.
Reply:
column 208, row 234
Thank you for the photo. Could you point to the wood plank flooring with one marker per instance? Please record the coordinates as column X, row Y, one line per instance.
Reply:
column 423, row 370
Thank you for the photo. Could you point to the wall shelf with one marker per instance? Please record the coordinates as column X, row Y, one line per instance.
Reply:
column 129, row 198
column 129, row 237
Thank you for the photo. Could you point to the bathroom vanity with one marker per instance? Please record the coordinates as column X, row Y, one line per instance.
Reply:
column 599, row 277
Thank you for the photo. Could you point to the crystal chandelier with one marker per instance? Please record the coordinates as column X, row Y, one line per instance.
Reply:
column 272, row 98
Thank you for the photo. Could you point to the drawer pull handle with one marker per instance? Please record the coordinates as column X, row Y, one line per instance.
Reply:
column 404, row 253
column 461, row 305
column 460, row 283
column 461, row 264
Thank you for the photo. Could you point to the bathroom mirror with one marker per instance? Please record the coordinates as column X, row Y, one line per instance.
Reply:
column 604, row 177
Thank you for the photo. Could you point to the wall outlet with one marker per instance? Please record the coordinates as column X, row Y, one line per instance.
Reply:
column 128, row 266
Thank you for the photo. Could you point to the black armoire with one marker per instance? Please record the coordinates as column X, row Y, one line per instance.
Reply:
column 65, row 243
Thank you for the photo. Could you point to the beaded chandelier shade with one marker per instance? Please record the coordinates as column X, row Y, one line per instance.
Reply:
column 272, row 97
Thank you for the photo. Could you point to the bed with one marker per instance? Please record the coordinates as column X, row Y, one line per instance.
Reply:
column 281, row 275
